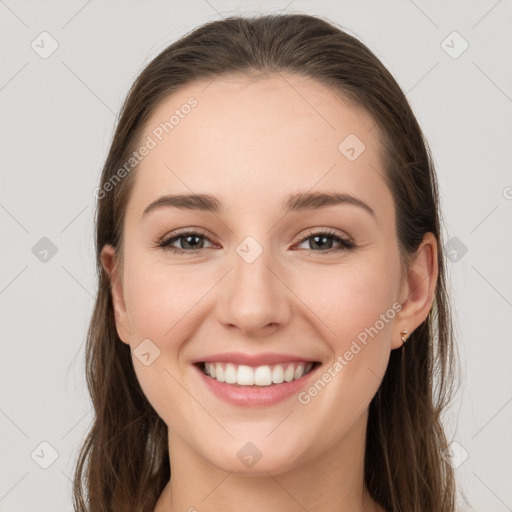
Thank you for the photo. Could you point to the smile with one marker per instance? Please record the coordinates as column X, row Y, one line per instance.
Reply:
column 266, row 375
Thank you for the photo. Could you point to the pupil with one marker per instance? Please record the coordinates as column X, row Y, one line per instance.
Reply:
column 323, row 238
column 188, row 238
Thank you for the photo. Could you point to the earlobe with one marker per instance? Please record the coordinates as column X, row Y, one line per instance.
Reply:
column 109, row 263
column 419, row 290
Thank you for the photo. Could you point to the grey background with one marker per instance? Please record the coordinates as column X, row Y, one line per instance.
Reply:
column 58, row 115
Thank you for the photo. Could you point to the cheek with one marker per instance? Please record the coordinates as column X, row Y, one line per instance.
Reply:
column 159, row 299
column 160, row 303
column 350, row 300
column 354, row 311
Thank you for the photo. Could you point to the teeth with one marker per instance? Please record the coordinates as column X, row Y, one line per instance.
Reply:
column 230, row 374
column 299, row 371
column 244, row 375
column 219, row 373
column 289, row 374
column 278, row 374
column 262, row 376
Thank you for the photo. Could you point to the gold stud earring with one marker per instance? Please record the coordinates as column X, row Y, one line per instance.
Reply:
column 403, row 333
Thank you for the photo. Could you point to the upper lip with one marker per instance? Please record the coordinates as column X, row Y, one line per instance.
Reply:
column 253, row 359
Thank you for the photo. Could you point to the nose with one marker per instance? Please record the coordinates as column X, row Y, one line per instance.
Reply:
column 254, row 298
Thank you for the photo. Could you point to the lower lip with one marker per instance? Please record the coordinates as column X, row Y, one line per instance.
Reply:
column 249, row 396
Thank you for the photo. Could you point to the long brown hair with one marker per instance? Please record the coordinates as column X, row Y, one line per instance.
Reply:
column 124, row 464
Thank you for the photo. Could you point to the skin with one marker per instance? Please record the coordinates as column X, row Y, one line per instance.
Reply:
column 251, row 143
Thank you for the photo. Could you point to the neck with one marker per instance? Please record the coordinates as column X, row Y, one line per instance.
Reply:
column 331, row 482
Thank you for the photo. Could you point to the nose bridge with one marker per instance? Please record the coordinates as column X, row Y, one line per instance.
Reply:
column 252, row 262
column 255, row 298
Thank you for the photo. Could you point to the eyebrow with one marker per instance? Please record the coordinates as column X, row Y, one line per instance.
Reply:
column 303, row 201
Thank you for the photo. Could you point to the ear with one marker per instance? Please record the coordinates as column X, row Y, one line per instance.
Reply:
column 110, row 265
column 418, row 289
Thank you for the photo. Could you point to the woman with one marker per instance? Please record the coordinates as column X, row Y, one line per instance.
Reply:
column 272, row 306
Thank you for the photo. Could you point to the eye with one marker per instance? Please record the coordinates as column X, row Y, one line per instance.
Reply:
column 192, row 242
column 324, row 241
column 189, row 241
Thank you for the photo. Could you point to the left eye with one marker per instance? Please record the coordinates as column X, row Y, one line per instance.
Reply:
column 188, row 238
column 319, row 239
column 191, row 242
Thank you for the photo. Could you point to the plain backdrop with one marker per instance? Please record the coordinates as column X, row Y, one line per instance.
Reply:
column 65, row 69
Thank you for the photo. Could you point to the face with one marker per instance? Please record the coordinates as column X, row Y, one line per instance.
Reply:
column 311, row 284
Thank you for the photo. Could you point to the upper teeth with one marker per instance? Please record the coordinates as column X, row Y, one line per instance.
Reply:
column 259, row 376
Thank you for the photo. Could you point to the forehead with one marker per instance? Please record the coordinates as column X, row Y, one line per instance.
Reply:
column 254, row 140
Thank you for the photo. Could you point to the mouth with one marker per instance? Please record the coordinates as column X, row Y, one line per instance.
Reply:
column 241, row 375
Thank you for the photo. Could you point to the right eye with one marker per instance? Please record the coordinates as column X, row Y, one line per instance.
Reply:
column 192, row 239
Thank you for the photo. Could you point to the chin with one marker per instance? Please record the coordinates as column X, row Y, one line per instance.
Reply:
column 256, row 455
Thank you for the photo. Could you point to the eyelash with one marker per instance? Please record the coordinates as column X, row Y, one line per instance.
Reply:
column 346, row 244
